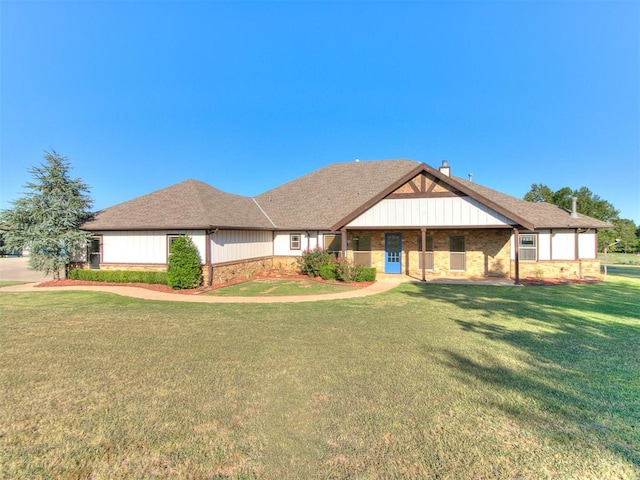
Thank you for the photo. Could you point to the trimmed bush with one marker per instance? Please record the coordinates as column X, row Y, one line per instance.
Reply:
column 368, row 274
column 328, row 272
column 119, row 276
column 312, row 260
column 184, row 270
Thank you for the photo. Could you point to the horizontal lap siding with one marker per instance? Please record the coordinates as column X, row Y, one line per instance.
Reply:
column 233, row 245
column 429, row 212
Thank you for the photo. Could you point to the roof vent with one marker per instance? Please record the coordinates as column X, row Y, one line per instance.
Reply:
column 470, row 177
column 357, row 160
column 444, row 168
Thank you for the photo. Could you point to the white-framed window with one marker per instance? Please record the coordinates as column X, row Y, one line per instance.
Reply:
column 294, row 241
column 528, row 247
column 457, row 255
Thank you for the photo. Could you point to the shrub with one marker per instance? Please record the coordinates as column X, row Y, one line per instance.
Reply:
column 311, row 261
column 367, row 274
column 184, row 269
column 328, row 272
column 347, row 271
column 119, row 276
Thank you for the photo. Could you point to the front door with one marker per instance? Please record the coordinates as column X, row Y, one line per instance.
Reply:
column 392, row 253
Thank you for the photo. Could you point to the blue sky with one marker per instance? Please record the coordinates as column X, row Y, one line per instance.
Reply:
column 246, row 96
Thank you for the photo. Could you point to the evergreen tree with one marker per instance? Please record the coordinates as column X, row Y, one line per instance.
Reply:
column 184, row 269
column 47, row 220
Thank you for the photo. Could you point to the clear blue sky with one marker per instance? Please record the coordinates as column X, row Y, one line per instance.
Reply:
column 246, row 96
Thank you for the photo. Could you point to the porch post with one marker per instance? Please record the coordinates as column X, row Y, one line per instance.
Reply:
column 516, row 241
column 343, row 247
column 423, row 253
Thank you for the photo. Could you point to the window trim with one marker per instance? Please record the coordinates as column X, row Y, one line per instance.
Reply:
column 292, row 241
column 170, row 238
column 526, row 248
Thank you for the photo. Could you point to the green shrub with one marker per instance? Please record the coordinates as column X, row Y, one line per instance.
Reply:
column 328, row 272
column 184, row 269
column 367, row 274
column 311, row 261
column 119, row 276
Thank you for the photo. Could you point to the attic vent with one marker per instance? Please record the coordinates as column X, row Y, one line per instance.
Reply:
column 470, row 177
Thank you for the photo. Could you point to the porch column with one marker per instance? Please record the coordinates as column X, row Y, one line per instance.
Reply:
column 423, row 253
column 516, row 241
column 343, row 247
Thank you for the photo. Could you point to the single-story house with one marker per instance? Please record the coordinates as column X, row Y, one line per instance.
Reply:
column 399, row 216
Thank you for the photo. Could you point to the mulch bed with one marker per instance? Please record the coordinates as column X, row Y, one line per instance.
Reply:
column 192, row 291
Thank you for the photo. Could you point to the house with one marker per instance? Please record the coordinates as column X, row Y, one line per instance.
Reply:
column 399, row 216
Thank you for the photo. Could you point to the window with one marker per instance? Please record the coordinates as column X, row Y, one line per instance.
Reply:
column 294, row 241
column 528, row 247
column 456, row 253
column 362, row 250
column 170, row 240
column 428, row 252
column 95, row 253
column 333, row 244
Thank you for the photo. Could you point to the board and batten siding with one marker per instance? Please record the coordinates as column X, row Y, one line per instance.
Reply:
column 148, row 247
column 560, row 244
column 233, row 245
column 308, row 241
column 429, row 212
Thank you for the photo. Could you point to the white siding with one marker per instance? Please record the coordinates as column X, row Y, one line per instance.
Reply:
column 563, row 245
column 232, row 245
column 587, row 245
column 143, row 247
column 544, row 245
column 429, row 212
column 308, row 241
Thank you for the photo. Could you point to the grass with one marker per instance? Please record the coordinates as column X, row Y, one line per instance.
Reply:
column 426, row 381
column 620, row 258
column 8, row 283
column 279, row 287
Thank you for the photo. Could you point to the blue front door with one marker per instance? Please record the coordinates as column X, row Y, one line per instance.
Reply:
column 392, row 253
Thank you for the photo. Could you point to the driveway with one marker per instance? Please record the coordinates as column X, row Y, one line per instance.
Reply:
column 17, row 269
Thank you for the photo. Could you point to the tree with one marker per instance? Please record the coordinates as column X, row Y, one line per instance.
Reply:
column 588, row 204
column 184, row 270
column 47, row 219
column 626, row 232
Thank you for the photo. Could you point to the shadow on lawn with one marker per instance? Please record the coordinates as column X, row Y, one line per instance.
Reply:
column 581, row 343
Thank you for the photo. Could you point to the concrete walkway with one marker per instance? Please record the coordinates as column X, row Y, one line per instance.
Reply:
column 385, row 283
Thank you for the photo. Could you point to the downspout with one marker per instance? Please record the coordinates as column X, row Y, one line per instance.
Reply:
column 516, row 241
column 207, row 254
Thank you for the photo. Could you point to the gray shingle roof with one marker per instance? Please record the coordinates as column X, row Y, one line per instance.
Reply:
column 321, row 200
column 185, row 205
column 540, row 215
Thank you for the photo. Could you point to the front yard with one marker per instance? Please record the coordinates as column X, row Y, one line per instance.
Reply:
column 426, row 381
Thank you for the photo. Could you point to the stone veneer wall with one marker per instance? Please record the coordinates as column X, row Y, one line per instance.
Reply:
column 560, row 269
column 487, row 252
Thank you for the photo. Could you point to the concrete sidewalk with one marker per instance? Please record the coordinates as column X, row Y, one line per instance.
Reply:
column 384, row 284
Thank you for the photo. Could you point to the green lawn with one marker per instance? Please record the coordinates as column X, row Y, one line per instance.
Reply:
column 425, row 381
column 280, row 286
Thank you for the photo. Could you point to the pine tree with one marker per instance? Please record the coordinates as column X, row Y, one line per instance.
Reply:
column 47, row 219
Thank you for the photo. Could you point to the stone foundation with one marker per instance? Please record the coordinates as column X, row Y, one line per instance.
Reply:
column 560, row 269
